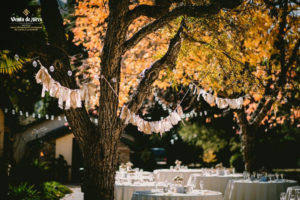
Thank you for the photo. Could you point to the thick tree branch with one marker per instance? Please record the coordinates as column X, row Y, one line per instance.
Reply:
column 190, row 11
column 265, row 105
column 55, row 54
column 263, row 112
column 146, row 10
column 168, row 60
column 293, row 56
column 56, row 33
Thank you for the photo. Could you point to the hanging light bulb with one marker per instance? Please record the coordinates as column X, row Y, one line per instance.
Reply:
column 34, row 64
column 51, row 68
column 17, row 57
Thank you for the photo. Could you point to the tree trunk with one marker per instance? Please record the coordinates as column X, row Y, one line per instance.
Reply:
column 247, row 142
column 248, row 148
column 100, row 165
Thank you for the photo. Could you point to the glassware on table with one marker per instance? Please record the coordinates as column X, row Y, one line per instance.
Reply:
column 282, row 196
column 292, row 197
column 192, row 182
column 245, row 175
column 277, row 176
column 201, row 185
column 298, row 194
column 254, row 174
column 270, row 177
column 258, row 175
column 282, row 176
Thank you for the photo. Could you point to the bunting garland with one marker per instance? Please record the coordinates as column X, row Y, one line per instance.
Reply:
column 148, row 127
column 71, row 97
column 222, row 103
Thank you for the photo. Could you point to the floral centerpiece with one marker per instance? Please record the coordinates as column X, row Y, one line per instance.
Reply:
column 220, row 169
column 177, row 163
column 129, row 165
column 179, row 181
column 220, row 166
column 122, row 167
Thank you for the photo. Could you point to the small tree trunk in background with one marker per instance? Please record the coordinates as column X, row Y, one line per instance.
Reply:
column 248, row 148
column 247, row 142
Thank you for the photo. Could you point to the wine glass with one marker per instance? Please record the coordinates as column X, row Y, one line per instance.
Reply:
column 191, row 182
column 245, row 175
column 201, row 185
column 292, row 197
column 254, row 174
column 282, row 195
column 298, row 194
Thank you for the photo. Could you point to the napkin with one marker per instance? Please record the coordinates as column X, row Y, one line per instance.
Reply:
column 263, row 179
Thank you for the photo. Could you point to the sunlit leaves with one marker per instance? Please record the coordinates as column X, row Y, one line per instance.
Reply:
column 232, row 53
column 9, row 64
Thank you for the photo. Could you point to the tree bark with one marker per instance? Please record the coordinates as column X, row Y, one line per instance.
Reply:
column 99, row 174
column 247, row 141
column 248, row 148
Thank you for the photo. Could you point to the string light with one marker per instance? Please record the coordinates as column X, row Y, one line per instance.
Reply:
column 51, row 68
column 17, row 57
column 69, row 73
column 34, row 64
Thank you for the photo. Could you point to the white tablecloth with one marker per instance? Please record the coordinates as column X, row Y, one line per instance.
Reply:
column 214, row 182
column 125, row 191
column 247, row 190
column 195, row 195
column 162, row 175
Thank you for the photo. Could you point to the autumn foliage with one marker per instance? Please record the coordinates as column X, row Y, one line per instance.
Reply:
column 234, row 53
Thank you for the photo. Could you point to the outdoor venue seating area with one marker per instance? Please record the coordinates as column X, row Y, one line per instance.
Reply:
column 218, row 183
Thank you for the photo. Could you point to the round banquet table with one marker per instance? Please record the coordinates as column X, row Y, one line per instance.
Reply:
column 125, row 191
column 255, row 190
column 214, row 182
column 194, row 195
column 163, row 175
